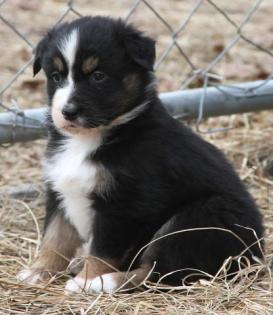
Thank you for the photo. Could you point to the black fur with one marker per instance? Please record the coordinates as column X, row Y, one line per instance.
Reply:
column 166, row 177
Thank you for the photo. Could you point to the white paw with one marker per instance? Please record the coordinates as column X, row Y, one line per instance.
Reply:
column 29, row 276
column 74, row 285
column 104, row 283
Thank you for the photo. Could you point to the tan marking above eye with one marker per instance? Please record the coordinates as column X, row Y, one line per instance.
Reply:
column 90, row 64
column 58, row 63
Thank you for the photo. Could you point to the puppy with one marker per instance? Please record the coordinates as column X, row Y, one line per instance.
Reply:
column 121, row 173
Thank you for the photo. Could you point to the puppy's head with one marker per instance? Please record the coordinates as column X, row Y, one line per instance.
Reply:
column 98, row 73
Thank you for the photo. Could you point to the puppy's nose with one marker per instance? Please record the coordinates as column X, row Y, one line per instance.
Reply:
column 70, row 112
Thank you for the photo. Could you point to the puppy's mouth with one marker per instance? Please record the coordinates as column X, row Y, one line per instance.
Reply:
column 84, row 124
column 78, row 124
column 73, row 124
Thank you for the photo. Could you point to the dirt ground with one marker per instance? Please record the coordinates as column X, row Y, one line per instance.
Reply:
column 249, row 145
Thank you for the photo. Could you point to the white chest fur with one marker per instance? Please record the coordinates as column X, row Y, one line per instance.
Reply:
column 73, row 176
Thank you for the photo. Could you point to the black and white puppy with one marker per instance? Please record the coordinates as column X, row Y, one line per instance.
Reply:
column 121, row 172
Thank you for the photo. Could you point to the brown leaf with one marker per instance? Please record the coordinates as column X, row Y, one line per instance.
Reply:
column 30, row 5
column 32, row 84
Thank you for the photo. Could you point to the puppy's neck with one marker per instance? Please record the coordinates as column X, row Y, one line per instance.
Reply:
column 126, row 117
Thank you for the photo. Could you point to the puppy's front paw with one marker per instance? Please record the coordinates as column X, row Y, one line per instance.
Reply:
column 29, row 276
column 33, row 276
column 75, row 285
column 105, row 283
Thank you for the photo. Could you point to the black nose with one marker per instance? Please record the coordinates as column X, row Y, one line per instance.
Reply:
column 70, row 112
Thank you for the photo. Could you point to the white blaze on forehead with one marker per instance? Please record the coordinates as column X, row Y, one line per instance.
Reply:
column 68, row 47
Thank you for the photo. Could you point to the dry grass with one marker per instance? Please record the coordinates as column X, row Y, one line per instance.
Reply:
column 249, row 146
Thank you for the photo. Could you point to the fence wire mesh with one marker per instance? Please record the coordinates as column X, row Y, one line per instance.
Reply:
column 200, row 43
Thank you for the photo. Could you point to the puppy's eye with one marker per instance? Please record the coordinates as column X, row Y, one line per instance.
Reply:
column 98, row 76
column 56, row 77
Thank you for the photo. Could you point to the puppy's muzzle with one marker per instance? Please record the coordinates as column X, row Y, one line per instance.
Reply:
column 70, row 112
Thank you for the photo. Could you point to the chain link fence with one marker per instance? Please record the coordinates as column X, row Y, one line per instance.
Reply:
column 215, row 32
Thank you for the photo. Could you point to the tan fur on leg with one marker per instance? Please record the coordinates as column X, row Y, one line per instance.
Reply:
column 59, row 245
column 128, row 280
column 95, row 266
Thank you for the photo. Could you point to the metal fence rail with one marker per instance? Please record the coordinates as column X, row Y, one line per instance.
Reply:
column 225, row 100
column 220, row 99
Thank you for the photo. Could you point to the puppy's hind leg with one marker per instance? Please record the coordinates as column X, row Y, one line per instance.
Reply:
column 194, row 243
column 98, row 276
column 110, row 282
column 59, row 245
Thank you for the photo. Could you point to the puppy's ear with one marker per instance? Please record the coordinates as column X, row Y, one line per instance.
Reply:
column 39, row 51
column 140, row 48
column 37, row 65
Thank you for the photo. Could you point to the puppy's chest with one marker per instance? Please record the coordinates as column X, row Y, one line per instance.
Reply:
column 74, row 177
column 71, row 172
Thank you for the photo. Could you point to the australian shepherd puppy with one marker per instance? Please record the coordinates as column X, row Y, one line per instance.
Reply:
column 123, row 177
